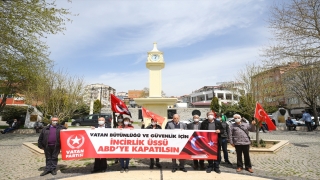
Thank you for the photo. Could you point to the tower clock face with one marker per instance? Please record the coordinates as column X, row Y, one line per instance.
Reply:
column 155, row 57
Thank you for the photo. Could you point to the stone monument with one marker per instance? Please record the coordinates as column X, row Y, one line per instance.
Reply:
column 155, row 102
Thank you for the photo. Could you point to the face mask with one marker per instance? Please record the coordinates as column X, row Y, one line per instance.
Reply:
column 237, row 120
column 218, row 119
column 196, row 120
column 101, row 122
column 153, row 123
column 120, row 120
column 126, row 123
column 54, row 122
column 210, row 117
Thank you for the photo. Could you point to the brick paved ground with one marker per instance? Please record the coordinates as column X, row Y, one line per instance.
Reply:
column 298, row 160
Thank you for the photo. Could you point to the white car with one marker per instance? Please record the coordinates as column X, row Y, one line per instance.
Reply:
column 301, row 122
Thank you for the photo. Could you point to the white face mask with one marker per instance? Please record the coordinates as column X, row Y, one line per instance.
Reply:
column 126, row 123
column 153, row 123
column 210, row 117
column 196, row 120
column 120, row 120
column 54, row 122
column 218, row 119
column 237, row 120
column 101, row 122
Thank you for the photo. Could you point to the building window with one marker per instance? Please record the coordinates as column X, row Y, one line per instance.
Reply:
column 228, row 96
column 220, row 96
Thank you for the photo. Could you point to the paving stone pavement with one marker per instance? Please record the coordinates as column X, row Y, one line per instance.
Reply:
column 298, row 160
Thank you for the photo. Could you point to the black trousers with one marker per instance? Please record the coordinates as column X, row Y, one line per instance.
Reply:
column 243, row 149
column 152, row 161
column 309, row 126
column 51, row 153
column 100, row 164
column 215, row 163
column 197, row 162
column 181, row 161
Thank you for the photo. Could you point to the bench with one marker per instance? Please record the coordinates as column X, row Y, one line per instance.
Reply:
column 23, row 131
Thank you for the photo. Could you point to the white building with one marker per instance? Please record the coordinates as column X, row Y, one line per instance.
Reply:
column 98, row 91
column 203, row 96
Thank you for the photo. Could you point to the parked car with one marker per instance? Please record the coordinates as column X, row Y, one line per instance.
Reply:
column 301, row 122
column 295, row 122
column 92, row 119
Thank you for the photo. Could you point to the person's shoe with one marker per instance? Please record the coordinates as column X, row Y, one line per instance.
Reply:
column 158, row 166
column 228, row 162
column 127, row 170
column 54, row 172
column 250, row 170
column 44, row 173
column 2, row 132
column 183, row 169
column 209, row 169
column 174, row 170
column 217, row 171
column 122, row 170
column 239, row 169
column 151, row 166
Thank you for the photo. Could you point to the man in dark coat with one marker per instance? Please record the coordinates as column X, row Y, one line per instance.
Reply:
column 195, row 125
column 176, row 124
column 49, row 141
column 211, row 124
column 100, row 164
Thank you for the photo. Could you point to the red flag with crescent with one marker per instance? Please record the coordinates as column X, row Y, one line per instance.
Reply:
column 148, row 114
column 118, row 106
column 261, row 115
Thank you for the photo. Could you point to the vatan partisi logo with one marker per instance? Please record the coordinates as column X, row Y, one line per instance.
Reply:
column 74, row 142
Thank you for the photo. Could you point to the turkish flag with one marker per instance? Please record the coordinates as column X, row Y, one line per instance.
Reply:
column 201, row 144
column 118, row 106
column 148, row 114
column 261, row 115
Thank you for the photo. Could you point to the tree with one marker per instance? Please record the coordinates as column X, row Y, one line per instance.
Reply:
column 296, row 29
column 215, row 104
column 56, row 94
column 97, row 106
column 23, row 53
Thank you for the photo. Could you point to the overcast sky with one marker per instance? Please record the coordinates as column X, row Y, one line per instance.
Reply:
column 204, row 41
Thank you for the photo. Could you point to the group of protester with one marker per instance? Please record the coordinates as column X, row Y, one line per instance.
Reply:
column 236, row 134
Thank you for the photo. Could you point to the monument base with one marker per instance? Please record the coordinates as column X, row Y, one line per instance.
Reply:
column 156, row 105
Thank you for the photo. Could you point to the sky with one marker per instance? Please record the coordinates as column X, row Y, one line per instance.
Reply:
column 204, row 41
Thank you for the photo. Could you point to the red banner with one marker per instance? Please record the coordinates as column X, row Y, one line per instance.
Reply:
column 140, row 143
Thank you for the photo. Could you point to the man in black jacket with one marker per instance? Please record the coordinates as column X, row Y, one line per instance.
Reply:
column 100, row 164
column 211, row 124
column 49, row 141
column 195, row 125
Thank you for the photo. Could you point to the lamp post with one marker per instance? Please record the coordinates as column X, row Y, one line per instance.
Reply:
column 91, row 101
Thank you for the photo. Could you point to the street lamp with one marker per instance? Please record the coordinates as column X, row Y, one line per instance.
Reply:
column 93, row 92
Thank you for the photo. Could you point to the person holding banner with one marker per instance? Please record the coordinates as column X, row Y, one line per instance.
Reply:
column 154, row 125
column 125, row 167
column 196, row 126
column 49, row 141
column 211, row 124
column 176, row 124
column 239, row 138
column 100, row 164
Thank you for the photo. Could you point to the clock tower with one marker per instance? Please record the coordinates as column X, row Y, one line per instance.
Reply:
column 155, row 102
column 155, row 64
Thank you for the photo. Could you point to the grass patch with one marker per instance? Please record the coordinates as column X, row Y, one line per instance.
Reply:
column 3, row 127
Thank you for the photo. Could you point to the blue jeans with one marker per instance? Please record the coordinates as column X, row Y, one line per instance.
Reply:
column 224, row 145
column 122, row 162
column 8, row 130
